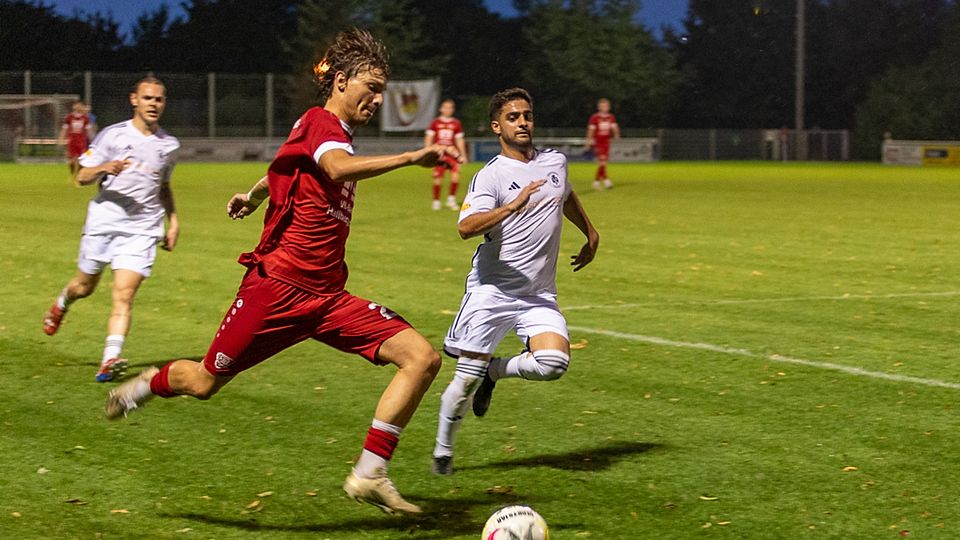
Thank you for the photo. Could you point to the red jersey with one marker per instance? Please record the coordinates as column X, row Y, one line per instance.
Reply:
column 307, row 221
column 77, row 125
column 603, row 124
column 445, row 130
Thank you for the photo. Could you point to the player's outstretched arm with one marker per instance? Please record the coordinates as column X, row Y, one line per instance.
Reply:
column 89, row 175
column 242, row 205
column 482, row 222
column 574, row 211
column 340, row 166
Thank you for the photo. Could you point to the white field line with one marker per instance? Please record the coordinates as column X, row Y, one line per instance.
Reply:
column 849, row 370
column 766, row 300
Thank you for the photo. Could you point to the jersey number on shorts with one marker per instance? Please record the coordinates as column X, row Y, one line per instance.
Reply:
column 384, row 312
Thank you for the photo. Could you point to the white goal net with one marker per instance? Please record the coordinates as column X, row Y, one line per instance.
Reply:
column 30, row 123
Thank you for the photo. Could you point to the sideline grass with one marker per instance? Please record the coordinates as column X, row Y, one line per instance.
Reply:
column 638, row 441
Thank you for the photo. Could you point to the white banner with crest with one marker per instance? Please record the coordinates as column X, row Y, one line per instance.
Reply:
column 410, row 105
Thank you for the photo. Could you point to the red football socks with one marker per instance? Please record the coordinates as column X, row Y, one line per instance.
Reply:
column 381, row 443
column 160, row 383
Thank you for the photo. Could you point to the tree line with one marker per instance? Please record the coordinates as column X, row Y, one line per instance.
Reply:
column 873, row 66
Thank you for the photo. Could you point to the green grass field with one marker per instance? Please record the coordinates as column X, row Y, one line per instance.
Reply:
column 767, row 351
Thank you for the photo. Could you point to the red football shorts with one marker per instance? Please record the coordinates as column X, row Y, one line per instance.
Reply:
column 601, row 150
column 269, row 316
column 76, row 146
column 446, row 163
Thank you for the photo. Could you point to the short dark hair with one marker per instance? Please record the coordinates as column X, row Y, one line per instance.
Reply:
column 149, row 79
column 352, row 52
column 503, row 97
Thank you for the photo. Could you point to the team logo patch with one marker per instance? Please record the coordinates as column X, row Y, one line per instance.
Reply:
column 554, row 179
column 466, row 206
column 223, row 361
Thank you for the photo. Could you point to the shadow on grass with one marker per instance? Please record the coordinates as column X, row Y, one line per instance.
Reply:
column 442, row 518
column 590, row 459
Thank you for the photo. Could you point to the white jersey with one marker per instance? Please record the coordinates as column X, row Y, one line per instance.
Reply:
column 129, row 202
column 519, row 255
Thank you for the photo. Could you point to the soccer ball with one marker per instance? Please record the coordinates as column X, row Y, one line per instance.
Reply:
column 515, row 523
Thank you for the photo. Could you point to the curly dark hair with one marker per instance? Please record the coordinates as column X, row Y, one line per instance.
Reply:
column 352, row 52
column 503, row 97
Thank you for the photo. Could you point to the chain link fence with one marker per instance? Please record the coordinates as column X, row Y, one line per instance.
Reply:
column 221, row 106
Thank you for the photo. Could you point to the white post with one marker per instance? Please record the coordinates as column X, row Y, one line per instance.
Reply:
column 799, row 81
column 88, row 88
column 211, row 105
column 27, row 117
column 268, row 96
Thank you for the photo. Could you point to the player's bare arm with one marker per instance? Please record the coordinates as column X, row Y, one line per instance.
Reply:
column 462, row 148
column 90, row 175
column 573, row 210
column 242, row 205
column 482, row 222
column 340, row 166
column 173, row 223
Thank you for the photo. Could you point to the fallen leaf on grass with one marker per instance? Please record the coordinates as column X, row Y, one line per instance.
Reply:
column 120, row 511
column 311, row 494
column 16, row 514
column 254, row 504
column 582, row 344
column 43, row 470
column 583, row 534
column 851, row 468
column 76, row 502
column 723, row 523
column 265, row 494
column 708, row 498
column 499, row 490
column 183, row 530
column 205, row 497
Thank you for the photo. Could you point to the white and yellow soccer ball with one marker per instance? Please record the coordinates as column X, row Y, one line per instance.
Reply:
column 516, row 523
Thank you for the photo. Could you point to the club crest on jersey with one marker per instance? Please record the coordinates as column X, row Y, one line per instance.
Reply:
column 223, row 361
column 554, row 179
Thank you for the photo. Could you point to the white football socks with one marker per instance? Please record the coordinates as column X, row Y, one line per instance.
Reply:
column 455, row 402
column 113, row 347
column 542, row 365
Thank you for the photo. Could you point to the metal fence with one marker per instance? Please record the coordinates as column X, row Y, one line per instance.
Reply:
column 217, row 105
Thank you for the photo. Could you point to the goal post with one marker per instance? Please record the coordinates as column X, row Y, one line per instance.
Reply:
column 30, row 124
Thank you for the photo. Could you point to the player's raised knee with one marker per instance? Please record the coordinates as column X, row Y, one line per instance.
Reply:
column 551, row 364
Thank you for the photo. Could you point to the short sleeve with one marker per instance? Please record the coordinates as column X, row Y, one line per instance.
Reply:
column 100, row 150
column 168, row 169
column 324, row 133
column 432, row 129
column 483, row 195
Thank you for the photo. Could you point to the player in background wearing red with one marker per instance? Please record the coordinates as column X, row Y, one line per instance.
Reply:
column 76, row 133
column 601, row 128
column 447, row 131
column 293, row 289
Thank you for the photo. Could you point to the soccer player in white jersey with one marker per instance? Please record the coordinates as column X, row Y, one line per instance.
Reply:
column 131, row 162
column 517, row 202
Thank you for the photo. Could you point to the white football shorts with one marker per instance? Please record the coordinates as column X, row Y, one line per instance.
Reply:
column 484, row 320
column 122, row 252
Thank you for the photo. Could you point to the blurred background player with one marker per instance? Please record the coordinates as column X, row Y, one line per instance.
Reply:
column 76, row 132
column 517, row 202
column 601, row 128
column 294, row 288
column 131, row 162
column 446, row 130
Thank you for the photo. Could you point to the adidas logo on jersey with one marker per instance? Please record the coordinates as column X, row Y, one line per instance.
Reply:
column 513, row 186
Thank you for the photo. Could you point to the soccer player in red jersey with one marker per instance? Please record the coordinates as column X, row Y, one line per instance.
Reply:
column 446, row 130
column 601, row 128
column 294, row 286
column 76, row 132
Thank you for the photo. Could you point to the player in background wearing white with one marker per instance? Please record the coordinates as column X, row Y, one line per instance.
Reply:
column 517, row 202
column 601, row 128
column 447, row 131
column 131, row 162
